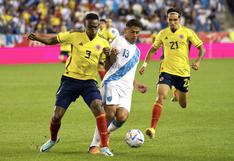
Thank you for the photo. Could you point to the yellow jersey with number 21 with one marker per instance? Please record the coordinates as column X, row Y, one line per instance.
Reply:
column 176, row 48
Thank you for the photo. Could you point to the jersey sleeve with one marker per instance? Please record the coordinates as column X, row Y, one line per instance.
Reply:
column 158, row 40
column 194, row 39
column 66, row 37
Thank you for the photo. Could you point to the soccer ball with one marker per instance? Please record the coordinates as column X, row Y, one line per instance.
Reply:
column 134, row 138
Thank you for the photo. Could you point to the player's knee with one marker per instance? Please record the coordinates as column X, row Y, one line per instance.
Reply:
column 96, row 107
column 56, row 118
column 161, row 99
column 121, row 118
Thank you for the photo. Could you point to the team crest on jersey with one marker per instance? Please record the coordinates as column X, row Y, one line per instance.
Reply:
column 98, row 47
column 181, row 36
column 109, row 98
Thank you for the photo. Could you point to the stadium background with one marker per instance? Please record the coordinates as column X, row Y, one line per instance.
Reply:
column 30, row 74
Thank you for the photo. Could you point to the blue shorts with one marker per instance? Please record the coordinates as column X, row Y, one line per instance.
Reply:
column 180, row 83
column 70, row 89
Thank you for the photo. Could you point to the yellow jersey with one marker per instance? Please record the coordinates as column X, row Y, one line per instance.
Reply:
column 176, row 48
column 65, row 47
column 107, row 34
column 85, row 54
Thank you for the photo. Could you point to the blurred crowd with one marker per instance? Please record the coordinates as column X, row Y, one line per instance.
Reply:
column 48, row 16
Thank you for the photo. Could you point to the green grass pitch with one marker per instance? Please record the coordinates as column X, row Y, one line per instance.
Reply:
column 202, row 132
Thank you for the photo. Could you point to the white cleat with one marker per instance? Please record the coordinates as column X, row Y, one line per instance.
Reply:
column 106, row 151
column 48, row 145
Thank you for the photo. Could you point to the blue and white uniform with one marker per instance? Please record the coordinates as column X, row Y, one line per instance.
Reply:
column 117, row 84
column 114, row 31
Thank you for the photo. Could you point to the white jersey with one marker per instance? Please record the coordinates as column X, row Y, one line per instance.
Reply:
column 114, row 31
column 122, row 73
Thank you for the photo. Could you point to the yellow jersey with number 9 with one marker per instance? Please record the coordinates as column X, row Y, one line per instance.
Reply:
column 176, row 48
column 85, row 54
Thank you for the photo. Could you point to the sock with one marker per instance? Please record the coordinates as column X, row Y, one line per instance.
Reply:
column 102, row 129
column 54, row 128
column 102, row 73
column 96, row 138
column 157, row 108
column 115, row 125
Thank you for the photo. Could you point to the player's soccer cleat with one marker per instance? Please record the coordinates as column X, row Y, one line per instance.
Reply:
column 94, row 150
column 150, row 132
column 106, row 151
column 48, row 145
column 174, row 99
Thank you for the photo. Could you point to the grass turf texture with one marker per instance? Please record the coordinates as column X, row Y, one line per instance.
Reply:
column 202, row 132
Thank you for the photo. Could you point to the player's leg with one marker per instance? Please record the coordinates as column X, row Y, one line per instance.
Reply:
column 110, row 114
column 120, row 117
column 93, row 99
column 122, row 111
column 101, row 71
column 55, row 124
column 64, row 97
column 162, row 91
column 175, row 96
column 181, row 85
column 182, row 97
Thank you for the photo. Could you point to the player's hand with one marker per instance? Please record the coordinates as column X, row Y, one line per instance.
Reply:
column 195, row 65
column 141, row 88
column 110, row 51
column 142, row 70
column 106, row 50
column 32, row 36
column 114, row 51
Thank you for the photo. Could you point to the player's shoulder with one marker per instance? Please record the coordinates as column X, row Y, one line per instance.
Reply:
column 73, row 33
column 186, row 29
column 100, row 36
column 163, row 31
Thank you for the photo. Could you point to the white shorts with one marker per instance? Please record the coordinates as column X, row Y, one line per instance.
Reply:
column 115, row 95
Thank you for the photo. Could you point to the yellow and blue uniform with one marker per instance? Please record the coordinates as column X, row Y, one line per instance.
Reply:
column 85, row 54
column 176, row 50
column 79, row 78
column 175, row 67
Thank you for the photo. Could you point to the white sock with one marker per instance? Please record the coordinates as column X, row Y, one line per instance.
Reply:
column 111, row 127
column 96, row 138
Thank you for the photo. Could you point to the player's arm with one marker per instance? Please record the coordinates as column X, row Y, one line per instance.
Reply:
column 156, row 45
column 140, row 87
column 149, row 55
column 196, row 63
column 45, row 40
column 111, row 56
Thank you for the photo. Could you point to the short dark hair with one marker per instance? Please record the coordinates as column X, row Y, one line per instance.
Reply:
column 134, row 22
column 91, row 16
column 103, row 20
column 176, row 10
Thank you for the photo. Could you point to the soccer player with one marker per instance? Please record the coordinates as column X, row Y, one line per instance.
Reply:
column 79, row 78
column 175, row 68
column 109, row 26
column 118, row 82
column 107, row 34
